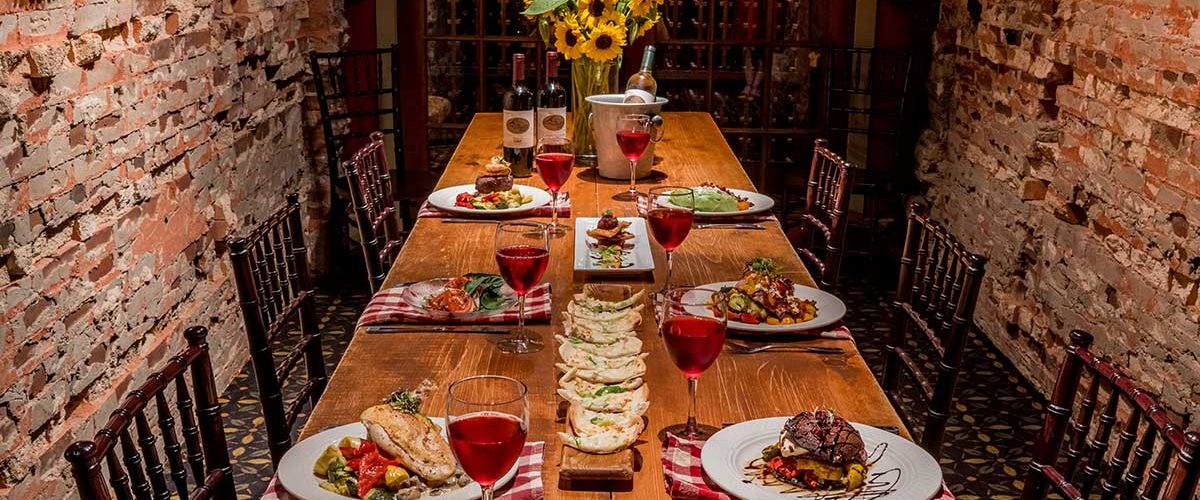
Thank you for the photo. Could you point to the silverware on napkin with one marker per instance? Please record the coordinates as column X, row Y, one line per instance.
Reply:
column 436, row 329
column 738, row 348
column 729, row 226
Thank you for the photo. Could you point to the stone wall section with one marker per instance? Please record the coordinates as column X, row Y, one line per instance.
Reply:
column 1065, row 144
column 134, row 136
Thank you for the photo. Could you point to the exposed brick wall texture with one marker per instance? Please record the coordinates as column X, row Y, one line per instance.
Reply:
column 134, row 136
column 1065, row 144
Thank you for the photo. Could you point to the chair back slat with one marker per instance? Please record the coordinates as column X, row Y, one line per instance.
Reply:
column 270, row 266
column 171, row 447
column 1097, row 461
column 137, row 472
column 374, row 205
column 827, row 200
column 935, row 296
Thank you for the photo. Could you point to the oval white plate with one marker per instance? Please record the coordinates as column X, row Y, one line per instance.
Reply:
column 418, row 293
column 759, row 203
column 444, row 199
column 295, row 469
column 830, row 310
column 903, row 467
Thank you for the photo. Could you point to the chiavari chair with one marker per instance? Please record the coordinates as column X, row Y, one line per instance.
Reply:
column 830, row 180
column 375, row 209
column 270, row 266
column 935, row 297
column 1097, row 462
column 135, row 467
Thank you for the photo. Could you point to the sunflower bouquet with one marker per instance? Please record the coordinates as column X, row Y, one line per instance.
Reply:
column 592, row 35
column 595, row 29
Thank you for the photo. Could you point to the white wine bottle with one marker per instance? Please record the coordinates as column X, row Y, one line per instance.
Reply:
column 641, row 87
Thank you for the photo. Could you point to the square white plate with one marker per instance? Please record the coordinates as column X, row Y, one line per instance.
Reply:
column 638, row 257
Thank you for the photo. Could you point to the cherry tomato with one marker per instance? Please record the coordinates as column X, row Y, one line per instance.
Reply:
column 749, row 319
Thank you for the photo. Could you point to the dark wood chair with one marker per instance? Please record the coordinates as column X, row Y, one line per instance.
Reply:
column 270, row 266
column 936, row 294
column 374, row 204
column 830, row 180
column 138, row 472
column 1097, row 463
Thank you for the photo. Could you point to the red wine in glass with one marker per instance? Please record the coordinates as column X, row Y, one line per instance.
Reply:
column 522, row 266
column 670, row 226
column 555, row 168
column 487, row 444
column 633, row 143
column 693, row 342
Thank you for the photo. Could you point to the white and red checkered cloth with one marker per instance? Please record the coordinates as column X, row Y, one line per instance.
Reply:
column 564, row 210
column 526, row 485
column 389, row 306
column 685, row 477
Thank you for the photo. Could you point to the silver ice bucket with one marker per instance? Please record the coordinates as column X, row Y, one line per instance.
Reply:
column 610, row 161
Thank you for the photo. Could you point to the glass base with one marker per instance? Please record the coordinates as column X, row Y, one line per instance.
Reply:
column 522, row 342
column 625, row 196
column 557, row 228
column 702, row 432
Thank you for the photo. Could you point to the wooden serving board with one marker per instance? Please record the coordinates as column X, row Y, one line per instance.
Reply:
column 579, row 470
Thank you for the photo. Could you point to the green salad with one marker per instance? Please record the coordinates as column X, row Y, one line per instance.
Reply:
column 709, row 198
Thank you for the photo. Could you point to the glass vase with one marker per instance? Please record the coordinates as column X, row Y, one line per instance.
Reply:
column 588, row 78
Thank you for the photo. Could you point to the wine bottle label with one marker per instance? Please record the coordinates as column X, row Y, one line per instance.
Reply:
column 552, row 123
column 638, row 96
column 518, row 129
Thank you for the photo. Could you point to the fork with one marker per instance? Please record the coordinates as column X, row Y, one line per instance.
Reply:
column 737, row 348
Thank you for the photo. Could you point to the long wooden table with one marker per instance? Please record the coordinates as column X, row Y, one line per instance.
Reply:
column 734, row 389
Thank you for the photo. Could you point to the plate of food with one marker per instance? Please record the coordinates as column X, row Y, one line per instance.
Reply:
column 394, row 452
column 818, row 455
column 714, row 200
column 766, row 300
column 466, row 297
column 492, row 193
column 612, row 245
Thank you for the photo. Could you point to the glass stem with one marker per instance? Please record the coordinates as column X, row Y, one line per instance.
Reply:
column 554, row 209
column 487, row 493
column 521, row 319
column 690, row 431
column 667, row 285
column 633, row 177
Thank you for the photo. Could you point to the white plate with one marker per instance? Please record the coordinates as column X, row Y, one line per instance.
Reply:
column 638, row 256
column 830, row 309
column 902, row 467
column 418, row 293
column 444, row 199
column 295, row 469
column 759, row 203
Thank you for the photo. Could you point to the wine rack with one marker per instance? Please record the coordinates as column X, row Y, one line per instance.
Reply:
column 754, row 64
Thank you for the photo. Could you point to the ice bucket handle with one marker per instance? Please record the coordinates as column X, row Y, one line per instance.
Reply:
column 656, row 121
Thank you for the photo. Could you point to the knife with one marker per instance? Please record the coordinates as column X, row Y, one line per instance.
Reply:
column 436, row 329
column 730, row 226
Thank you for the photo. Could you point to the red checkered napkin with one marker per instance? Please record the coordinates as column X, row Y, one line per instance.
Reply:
column 685, row 478
column 564, row 210
column 389, row 306
column 526, row 485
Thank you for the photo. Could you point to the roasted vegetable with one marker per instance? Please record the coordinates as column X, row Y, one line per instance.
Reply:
column 330, row 457
column 395, row 477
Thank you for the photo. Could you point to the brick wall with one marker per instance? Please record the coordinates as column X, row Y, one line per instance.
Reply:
column 1065, row 144
column 134, row 136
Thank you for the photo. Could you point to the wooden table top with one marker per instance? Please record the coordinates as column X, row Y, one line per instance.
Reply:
column 734, row 389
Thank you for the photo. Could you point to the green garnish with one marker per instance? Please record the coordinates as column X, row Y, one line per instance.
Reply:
column 485, row 287
column 596, row 421
column 763, row 265
column 609, row 389
column 405, row 401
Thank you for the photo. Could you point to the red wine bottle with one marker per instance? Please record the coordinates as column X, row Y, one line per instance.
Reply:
column 518, row 122
column 552, row 103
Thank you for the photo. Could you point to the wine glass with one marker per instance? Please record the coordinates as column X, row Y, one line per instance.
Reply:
column 633, row 135
column 670, row 219
column 693, row 338
column 487, row 419
column 522, row 253
column 555, row 156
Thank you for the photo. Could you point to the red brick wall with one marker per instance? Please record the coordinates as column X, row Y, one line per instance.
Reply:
column 134, row 136
column 1065, row 143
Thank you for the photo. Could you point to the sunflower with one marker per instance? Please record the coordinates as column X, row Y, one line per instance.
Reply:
column 605, row 42
column 568, row 39
column 596, row 12
column 639, row 8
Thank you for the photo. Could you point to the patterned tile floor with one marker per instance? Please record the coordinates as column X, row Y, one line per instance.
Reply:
column 988, row 437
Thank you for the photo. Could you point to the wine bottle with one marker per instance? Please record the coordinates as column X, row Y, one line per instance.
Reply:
column 518, row 122
column 552, row 103
column 641, row 86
